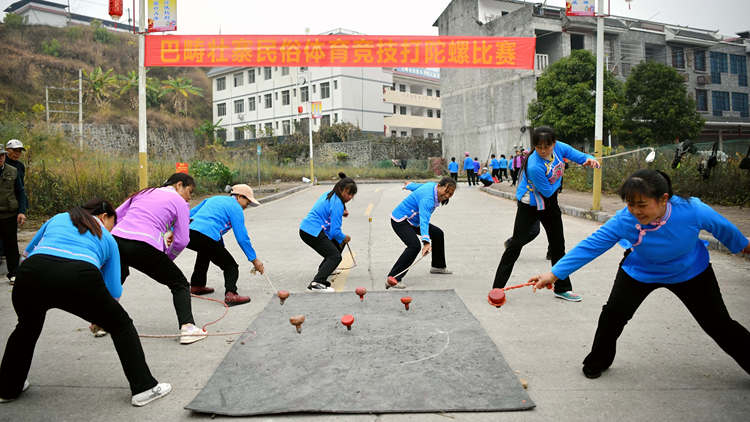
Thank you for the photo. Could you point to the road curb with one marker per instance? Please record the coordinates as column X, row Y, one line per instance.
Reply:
column 282, row 194
column 602, row 217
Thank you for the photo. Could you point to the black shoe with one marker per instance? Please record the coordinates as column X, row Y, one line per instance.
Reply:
column 591, row 373
column 319, row 287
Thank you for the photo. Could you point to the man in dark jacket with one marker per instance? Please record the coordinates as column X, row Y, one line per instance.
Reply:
column 13, row 204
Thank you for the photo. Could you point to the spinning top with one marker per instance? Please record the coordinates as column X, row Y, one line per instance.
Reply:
column 283, row 295
column 297, row 321
column 496, row 297
column 348, row 320
column 406, row 300
column 360, row 291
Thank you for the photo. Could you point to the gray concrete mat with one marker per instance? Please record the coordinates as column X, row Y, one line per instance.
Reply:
column 435, row 357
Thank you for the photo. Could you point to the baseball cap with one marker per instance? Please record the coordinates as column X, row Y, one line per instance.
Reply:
column 246, row 191
column 3, row 151
column 15, row 143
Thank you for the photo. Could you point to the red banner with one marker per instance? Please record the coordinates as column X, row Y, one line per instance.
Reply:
column 339, row 51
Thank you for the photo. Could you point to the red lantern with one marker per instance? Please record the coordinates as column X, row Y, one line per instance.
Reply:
column 299, row 109
column 115, row 9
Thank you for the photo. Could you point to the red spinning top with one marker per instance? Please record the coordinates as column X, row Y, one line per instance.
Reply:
column 283, row 295
column 496, row 297
column 360, row 291
column 347, row 320
column 406, row 300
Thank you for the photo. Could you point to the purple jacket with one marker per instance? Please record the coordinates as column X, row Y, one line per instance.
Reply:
column 147, row 216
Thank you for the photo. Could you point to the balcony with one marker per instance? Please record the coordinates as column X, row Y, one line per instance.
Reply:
column 541, row 61
column 416, row 122
column 407, row 98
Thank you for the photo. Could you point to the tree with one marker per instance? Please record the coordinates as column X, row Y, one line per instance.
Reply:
column 100, row 84
column 206, row 132
column 129, row 82
column 659, row 109
column 14, row 21
column 154, row 92
column 180, row 88
column 566, row 98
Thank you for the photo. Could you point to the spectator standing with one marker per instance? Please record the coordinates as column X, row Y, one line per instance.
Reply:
column 13, row 204
column 453, row 168
column 469, row 169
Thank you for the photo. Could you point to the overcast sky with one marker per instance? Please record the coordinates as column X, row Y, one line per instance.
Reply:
column 395, row 17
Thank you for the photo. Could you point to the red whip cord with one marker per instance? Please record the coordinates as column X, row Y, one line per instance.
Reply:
column 518, row 286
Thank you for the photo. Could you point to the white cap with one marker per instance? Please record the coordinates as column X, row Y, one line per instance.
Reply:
column 15, row 143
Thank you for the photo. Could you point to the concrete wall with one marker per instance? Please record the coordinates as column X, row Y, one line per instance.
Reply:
column 363, row 153
column 123, row 139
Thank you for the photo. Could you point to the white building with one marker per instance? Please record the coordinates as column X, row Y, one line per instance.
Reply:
column 40, row 12
column 251, row 103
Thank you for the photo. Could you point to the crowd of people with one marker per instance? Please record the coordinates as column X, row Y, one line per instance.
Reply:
column 82, row 257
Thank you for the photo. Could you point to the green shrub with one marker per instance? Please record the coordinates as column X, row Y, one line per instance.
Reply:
column 216, row 173
column 51, row 47
column 102, row 34
column 342, row 156
column 13, row 21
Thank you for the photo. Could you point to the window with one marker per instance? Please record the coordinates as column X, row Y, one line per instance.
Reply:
column 221, row 109
column 437, row 113
column 429, row 92
column 335, row 117
column 304, row 125
column 393, row 87
column 302, row 69
column 252, row 131
column 720, row 102
column 251, row 104
column 739, row 103
column 268, row 101
column 284, row 71
column 251, row 76
column 336, row 84
column 701, row 100
column 403, row 133
column 738, row 66
column 286, row 127
column 221, row 134
column 325, row 121
column 576, row 42
column 325, row 90
column 402, row 87
column 239, row 106
column 276, row 96
column 394, row 109
column 221, row 83
column 303, row 93
column 430, row 135
column 700, row 60
column 429, row 113
column 268, row 130
column 718, row 65
column 294, row 92
column 402, row 110
column 393, row 133
column 285, row 97
column 437, row 93
column 239, row 133
column 277, row 125
column 314, row 86
column 266, row 73
column 238, row 79
column 678, row 57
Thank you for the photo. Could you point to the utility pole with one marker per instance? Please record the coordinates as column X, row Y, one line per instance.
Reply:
column 599, row 122
column 142, row 142
column 46, row 102
column 80, row 109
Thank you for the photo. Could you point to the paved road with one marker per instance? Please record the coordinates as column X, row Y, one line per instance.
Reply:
column 666, row 368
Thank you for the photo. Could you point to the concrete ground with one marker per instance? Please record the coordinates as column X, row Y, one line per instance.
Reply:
column 666, row 368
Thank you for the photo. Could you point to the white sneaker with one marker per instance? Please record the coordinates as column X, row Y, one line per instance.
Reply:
column 26, row 386
column 146, row 397
column 97, row 331
column 435, row 270
column 190, row 334
column 319, row 287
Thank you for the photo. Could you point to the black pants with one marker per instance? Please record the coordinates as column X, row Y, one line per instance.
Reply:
column 329, row 249
column 157, row 265
column 526, row 217
column 454, row 176
column 9, row 236
column 45, row 282
column 701, row 296
column 209, row 251
column 503, row 172
column 514, row 176
column 471, row 178
column 485, row 182
column 496, row 173
column 409, row 235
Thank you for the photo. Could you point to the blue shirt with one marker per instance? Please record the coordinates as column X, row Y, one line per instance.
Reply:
column 418, row 207
column 59, row 237
column 495, row 164
column 668, row 253
column 546, row 176
column 217, row 215
column 468, row 164
column 453, row 167
column 476, row 166
column 325, row 215
column 487, row 177
column 503, row 163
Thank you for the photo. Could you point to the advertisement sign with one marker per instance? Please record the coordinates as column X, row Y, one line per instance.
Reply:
column 340, row 51
column 579, row 7
column 162, row 15
column 181, row 168
column 316, row 109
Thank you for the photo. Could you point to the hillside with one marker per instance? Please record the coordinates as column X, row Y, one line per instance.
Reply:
column 35, row 56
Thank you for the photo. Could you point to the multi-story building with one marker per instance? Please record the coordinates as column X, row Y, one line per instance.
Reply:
column 485, row 109
column 252, row 103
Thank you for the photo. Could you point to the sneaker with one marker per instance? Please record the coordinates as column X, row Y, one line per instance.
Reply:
column 200, row 290
column 189, row 333
column 591, row 373
column 435, row 270
column 399, row 285
column 569, row 295
column 233, row 299
column 11, row 279
column 26, row 386
column 97, row 331
column 146, row 397
column 319, row 287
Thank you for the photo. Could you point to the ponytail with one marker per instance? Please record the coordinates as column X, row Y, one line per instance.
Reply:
column 83, row 216
column 344, row 184
column 186, row 179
